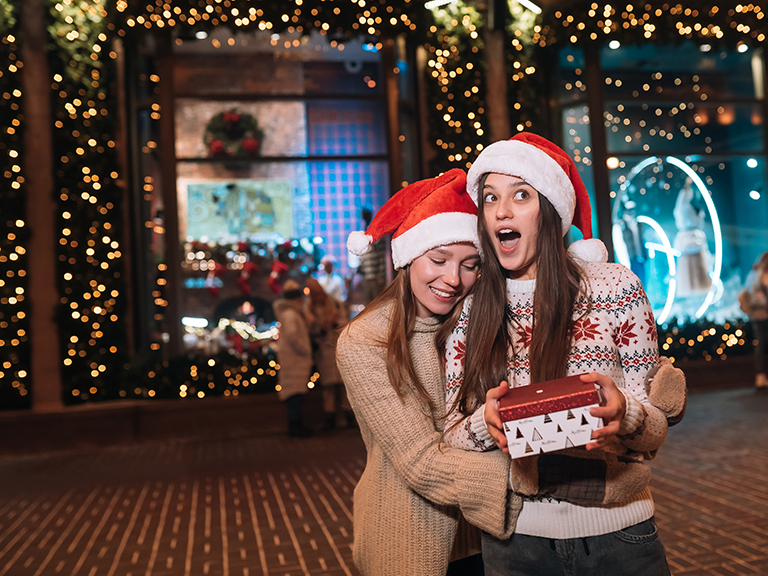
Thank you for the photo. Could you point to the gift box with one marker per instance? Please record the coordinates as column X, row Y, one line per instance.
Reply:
column 549, row 416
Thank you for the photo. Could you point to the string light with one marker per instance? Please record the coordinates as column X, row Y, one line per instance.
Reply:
column 453, row 50
column 15, row 352
column 702, row 340
column 92, row 292
column 639, row 22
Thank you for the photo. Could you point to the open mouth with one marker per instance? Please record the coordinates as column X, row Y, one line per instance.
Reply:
column 508, row 238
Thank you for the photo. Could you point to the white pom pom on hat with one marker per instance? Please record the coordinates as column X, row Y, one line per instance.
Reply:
column 591, row 250
column 359, row 243
column 550, row 170
column 423, row 215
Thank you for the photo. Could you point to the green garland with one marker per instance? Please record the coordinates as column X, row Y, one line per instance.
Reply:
column 525, row 64
column 15, row 351
column 91, row 314
column 336, row 18
column 456, row 91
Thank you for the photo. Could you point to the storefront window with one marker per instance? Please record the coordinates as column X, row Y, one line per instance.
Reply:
column 686, row 159
column 274, row 164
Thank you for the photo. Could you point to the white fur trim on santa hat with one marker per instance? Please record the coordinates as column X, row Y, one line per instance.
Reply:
column 359, row 243
column 592, row 250
column 437, row 230
column 532, row 164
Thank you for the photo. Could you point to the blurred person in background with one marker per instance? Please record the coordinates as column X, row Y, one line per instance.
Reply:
column 326, row 316
column 332, row 282
column 294, row 354
column 754, row 303
column 373, row 265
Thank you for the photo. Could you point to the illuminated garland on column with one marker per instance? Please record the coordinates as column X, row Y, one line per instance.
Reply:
column 149, row 365
column 454, row 51
column 15, row 353
column 90, row 219
column 524, row 59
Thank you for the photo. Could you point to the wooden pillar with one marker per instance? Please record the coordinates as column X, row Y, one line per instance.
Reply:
column 122, row 156
column 428, row 152
column 602, row 177
column 165, row 61
column 388, row 64
column 497, row 108
column 41, row 209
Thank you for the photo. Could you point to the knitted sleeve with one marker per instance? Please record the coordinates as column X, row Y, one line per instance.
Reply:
column 406, row 433
column 464, row 432
column 644, row 428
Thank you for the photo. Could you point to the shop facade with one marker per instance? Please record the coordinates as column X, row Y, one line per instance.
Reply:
column 205, row 151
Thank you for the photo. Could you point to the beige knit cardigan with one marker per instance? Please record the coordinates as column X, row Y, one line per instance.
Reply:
column 412, row 491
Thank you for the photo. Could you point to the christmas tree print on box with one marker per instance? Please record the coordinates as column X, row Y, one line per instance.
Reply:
column 549, row 416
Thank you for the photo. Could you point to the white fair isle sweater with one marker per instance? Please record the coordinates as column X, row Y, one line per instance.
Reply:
column 575, row 493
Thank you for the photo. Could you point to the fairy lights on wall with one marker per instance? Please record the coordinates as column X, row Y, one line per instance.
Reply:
column 90, row 200
column 14, row 305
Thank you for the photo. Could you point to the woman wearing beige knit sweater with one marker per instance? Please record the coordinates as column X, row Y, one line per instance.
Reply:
column 413, row 491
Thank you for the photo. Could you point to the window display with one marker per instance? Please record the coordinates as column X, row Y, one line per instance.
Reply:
column 268, row 183
column 685, row 155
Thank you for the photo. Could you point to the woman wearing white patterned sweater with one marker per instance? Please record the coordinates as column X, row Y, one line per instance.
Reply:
column 538, row 314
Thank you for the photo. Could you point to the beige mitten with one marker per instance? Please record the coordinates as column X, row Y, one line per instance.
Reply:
column 667, row 390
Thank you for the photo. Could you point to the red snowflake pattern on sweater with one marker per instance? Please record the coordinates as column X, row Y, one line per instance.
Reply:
column 585, row 329
column 623, row 336
column 614, row 334
column 524, row 336
column 650, row 326
column 460, row 349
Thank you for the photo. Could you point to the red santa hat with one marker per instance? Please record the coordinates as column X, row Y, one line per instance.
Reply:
column 421, row 216
column 551, row 171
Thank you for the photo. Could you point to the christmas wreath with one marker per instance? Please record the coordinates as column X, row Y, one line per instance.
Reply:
column 233, row 134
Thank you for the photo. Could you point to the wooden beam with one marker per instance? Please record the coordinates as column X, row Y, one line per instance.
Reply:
column 41, row 208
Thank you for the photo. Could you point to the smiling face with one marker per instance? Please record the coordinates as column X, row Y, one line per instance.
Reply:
column 511, row 217
column 441, row 277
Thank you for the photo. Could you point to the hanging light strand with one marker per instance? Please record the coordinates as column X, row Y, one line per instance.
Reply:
column 15, row 354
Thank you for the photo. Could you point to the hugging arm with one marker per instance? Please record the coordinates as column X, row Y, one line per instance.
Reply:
column 405, row 431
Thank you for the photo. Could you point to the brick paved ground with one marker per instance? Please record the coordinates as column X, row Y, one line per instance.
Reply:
column 275, row 506
column 710, row 483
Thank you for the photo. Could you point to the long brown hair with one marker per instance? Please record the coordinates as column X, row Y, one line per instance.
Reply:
column 400, row 366
column 558, row 283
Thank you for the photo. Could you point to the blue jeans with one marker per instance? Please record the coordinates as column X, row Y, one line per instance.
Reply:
column 633, row 551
